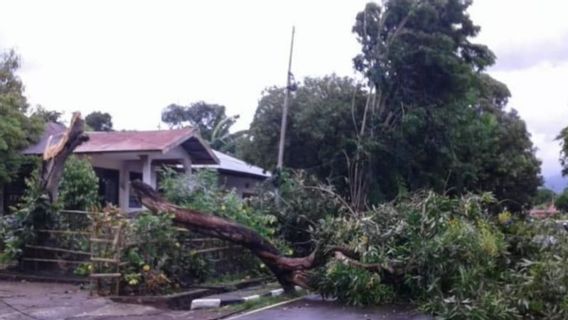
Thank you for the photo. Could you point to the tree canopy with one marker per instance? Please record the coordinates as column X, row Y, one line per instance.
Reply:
column 428, row 117
column 99, row 121
column 561, row 201
column 47, row 115
column 210, row 119
column 17, row 130
column 544, row 196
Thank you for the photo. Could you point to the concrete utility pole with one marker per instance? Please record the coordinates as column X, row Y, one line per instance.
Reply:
column 285, row 107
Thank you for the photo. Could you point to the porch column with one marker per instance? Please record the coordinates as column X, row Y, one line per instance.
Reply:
column 187, row 166
column 147, row 170
column 124, row 191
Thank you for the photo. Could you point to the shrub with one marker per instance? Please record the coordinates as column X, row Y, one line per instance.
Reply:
column 159, row 260
column 79, row 185
column 34, row 211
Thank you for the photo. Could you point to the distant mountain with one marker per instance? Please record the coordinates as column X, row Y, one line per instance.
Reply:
column 556, row 183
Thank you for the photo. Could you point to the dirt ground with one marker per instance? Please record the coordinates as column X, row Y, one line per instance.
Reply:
column 46, row 301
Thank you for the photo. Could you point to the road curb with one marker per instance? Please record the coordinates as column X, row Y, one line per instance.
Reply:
column 208, row 303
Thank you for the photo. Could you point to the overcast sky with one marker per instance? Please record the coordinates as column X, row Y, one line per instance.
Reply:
column 133, row 58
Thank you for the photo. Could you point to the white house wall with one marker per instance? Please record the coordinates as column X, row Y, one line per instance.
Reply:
column 125, row 163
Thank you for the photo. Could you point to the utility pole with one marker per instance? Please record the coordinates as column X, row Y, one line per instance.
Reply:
column 285, row 106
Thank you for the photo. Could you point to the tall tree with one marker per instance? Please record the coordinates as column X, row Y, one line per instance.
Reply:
column 99, row 121
column 322, row 120
column 210, row 119
column 47, row 115
column 432, row 119
column 17, row 130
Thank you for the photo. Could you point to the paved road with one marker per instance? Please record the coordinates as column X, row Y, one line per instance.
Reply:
column 313, row 308
column 46, row 301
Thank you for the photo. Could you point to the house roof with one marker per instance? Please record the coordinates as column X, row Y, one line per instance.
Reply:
column 234, row 165
column 50, row 129
column 133, row 141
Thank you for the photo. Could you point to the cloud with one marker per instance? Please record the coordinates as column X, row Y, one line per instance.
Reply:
column 532, row 54
column 539, row 94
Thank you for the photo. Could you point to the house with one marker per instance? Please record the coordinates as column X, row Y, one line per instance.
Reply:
column 236, row 174
column 119, row 157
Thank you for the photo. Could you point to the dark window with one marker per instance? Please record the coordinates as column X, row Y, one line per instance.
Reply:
column 108, row 185
column 133, row 201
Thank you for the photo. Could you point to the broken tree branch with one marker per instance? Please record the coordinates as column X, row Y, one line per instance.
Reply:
column 54, row 156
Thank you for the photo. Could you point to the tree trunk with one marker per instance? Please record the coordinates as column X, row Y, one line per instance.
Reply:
column 54, row 156
column 288, row 271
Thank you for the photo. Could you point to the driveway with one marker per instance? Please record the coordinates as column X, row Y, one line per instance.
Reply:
column 46, row 301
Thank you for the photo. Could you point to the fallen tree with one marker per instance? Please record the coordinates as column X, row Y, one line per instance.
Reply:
column 289, row 271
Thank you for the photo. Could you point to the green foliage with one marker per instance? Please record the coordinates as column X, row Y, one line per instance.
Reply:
column 320, row 126
column 99, row 121
column 352, row 285
column 453, row 258
column 544, row 197
column 47, row 115
column 161, row 260
column 17, row 130
column 561, row 201
column 211, row 121
column 201, row 192
column 299, row 206
column 33, row 212
column 79, row 185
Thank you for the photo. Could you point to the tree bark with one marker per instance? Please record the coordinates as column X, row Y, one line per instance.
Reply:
column 54, row 156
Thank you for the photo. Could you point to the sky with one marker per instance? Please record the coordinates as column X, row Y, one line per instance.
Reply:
column 133, row 58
